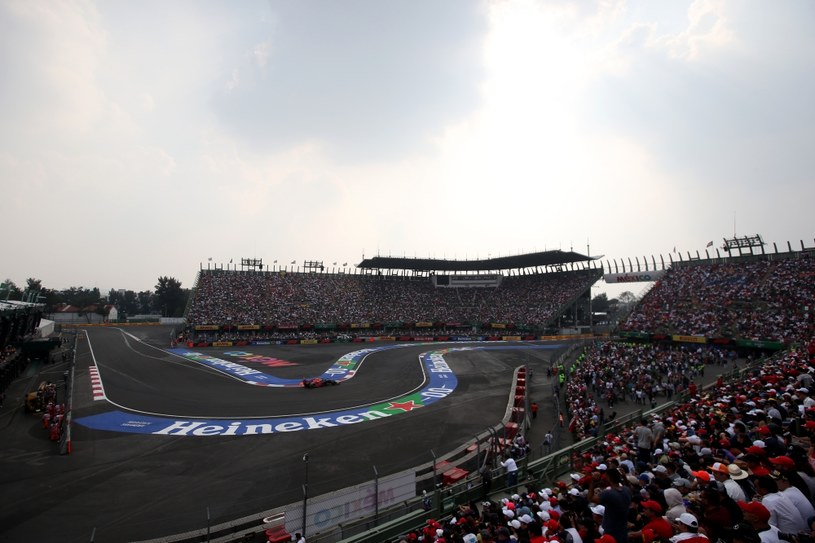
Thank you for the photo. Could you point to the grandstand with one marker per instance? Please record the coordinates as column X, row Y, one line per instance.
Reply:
column 537, row 294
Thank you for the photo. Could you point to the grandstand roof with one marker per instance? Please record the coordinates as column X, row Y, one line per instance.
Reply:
column 9, row 306
column 531, row 260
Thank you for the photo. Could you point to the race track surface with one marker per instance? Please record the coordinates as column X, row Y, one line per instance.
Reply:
column 152, row 450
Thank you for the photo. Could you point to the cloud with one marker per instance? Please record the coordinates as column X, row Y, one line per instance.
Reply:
column 50, row 54
column 363, row 78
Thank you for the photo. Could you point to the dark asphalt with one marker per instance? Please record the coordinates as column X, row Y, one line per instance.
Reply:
column 130, row 486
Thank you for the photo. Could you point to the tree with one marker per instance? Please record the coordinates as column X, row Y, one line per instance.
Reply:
column 10, row 291
column 599, row 303
column 144, row 303
column 170, row 298
column 627, row 297
column 82, row 297
column 51, row 299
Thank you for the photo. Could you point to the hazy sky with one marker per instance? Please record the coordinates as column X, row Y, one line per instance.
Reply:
column 139, row 139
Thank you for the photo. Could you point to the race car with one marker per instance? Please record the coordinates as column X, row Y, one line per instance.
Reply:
column 318, row 382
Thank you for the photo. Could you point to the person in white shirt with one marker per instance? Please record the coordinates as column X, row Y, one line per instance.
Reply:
column 758, row 516
column 798, row 499
column 783, row 513
column 512, row 472
column 722, row 474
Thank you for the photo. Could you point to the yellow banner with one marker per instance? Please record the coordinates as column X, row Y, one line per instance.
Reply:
column 248, row 327
column 222, row 344
column 308, row 342
column 424, row 325
column 511, row 338
column 206, row 327
column 498, row 325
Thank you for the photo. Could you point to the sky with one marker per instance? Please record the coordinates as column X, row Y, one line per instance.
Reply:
column 141, row 139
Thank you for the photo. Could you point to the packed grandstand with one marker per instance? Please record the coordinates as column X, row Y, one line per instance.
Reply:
column 231, row 305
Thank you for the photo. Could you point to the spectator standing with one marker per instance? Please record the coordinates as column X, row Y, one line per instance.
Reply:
column 645, row 439
column 616, row 499
column 547, row 441
column 512, row 472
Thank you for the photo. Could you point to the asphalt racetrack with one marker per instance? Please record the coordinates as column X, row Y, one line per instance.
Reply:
column 170, row 433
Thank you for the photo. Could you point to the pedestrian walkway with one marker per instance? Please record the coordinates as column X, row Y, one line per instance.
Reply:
column 549, row 405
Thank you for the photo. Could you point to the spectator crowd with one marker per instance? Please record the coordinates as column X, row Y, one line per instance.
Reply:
column 759, row 299
column 289, row 300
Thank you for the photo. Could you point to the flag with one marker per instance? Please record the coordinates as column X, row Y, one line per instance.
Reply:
column 709, row 244
column 334, row 264
column 674, row 248
column 230, row 261
column 275, row 261
column 210, row 259
column 345, row 263
column 293, row 261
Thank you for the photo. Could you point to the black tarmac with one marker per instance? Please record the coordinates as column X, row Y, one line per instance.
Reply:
column 127, row 487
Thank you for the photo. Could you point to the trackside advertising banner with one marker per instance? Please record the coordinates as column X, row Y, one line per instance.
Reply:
column 634, row 277
column 440, row 382
column 352, row 503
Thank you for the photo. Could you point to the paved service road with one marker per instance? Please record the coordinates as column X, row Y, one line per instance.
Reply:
column 173, row 433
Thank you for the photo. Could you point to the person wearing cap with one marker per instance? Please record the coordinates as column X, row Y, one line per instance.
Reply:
column 683, row 485
column 758, row 516
column 721, row 473
column 783, row 512
column 804, row 398
column 597, row 512
column 654, row 525
column 687, row 530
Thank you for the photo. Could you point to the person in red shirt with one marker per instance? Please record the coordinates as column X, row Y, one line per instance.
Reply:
column 654, row 525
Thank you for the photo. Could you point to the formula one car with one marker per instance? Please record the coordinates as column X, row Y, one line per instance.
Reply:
column 318, row 382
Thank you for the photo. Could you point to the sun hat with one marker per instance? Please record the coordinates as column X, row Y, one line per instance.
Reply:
column 736, row 473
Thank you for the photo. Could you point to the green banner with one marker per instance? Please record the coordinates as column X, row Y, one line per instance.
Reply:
column 773, row 345
column 636, row 335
